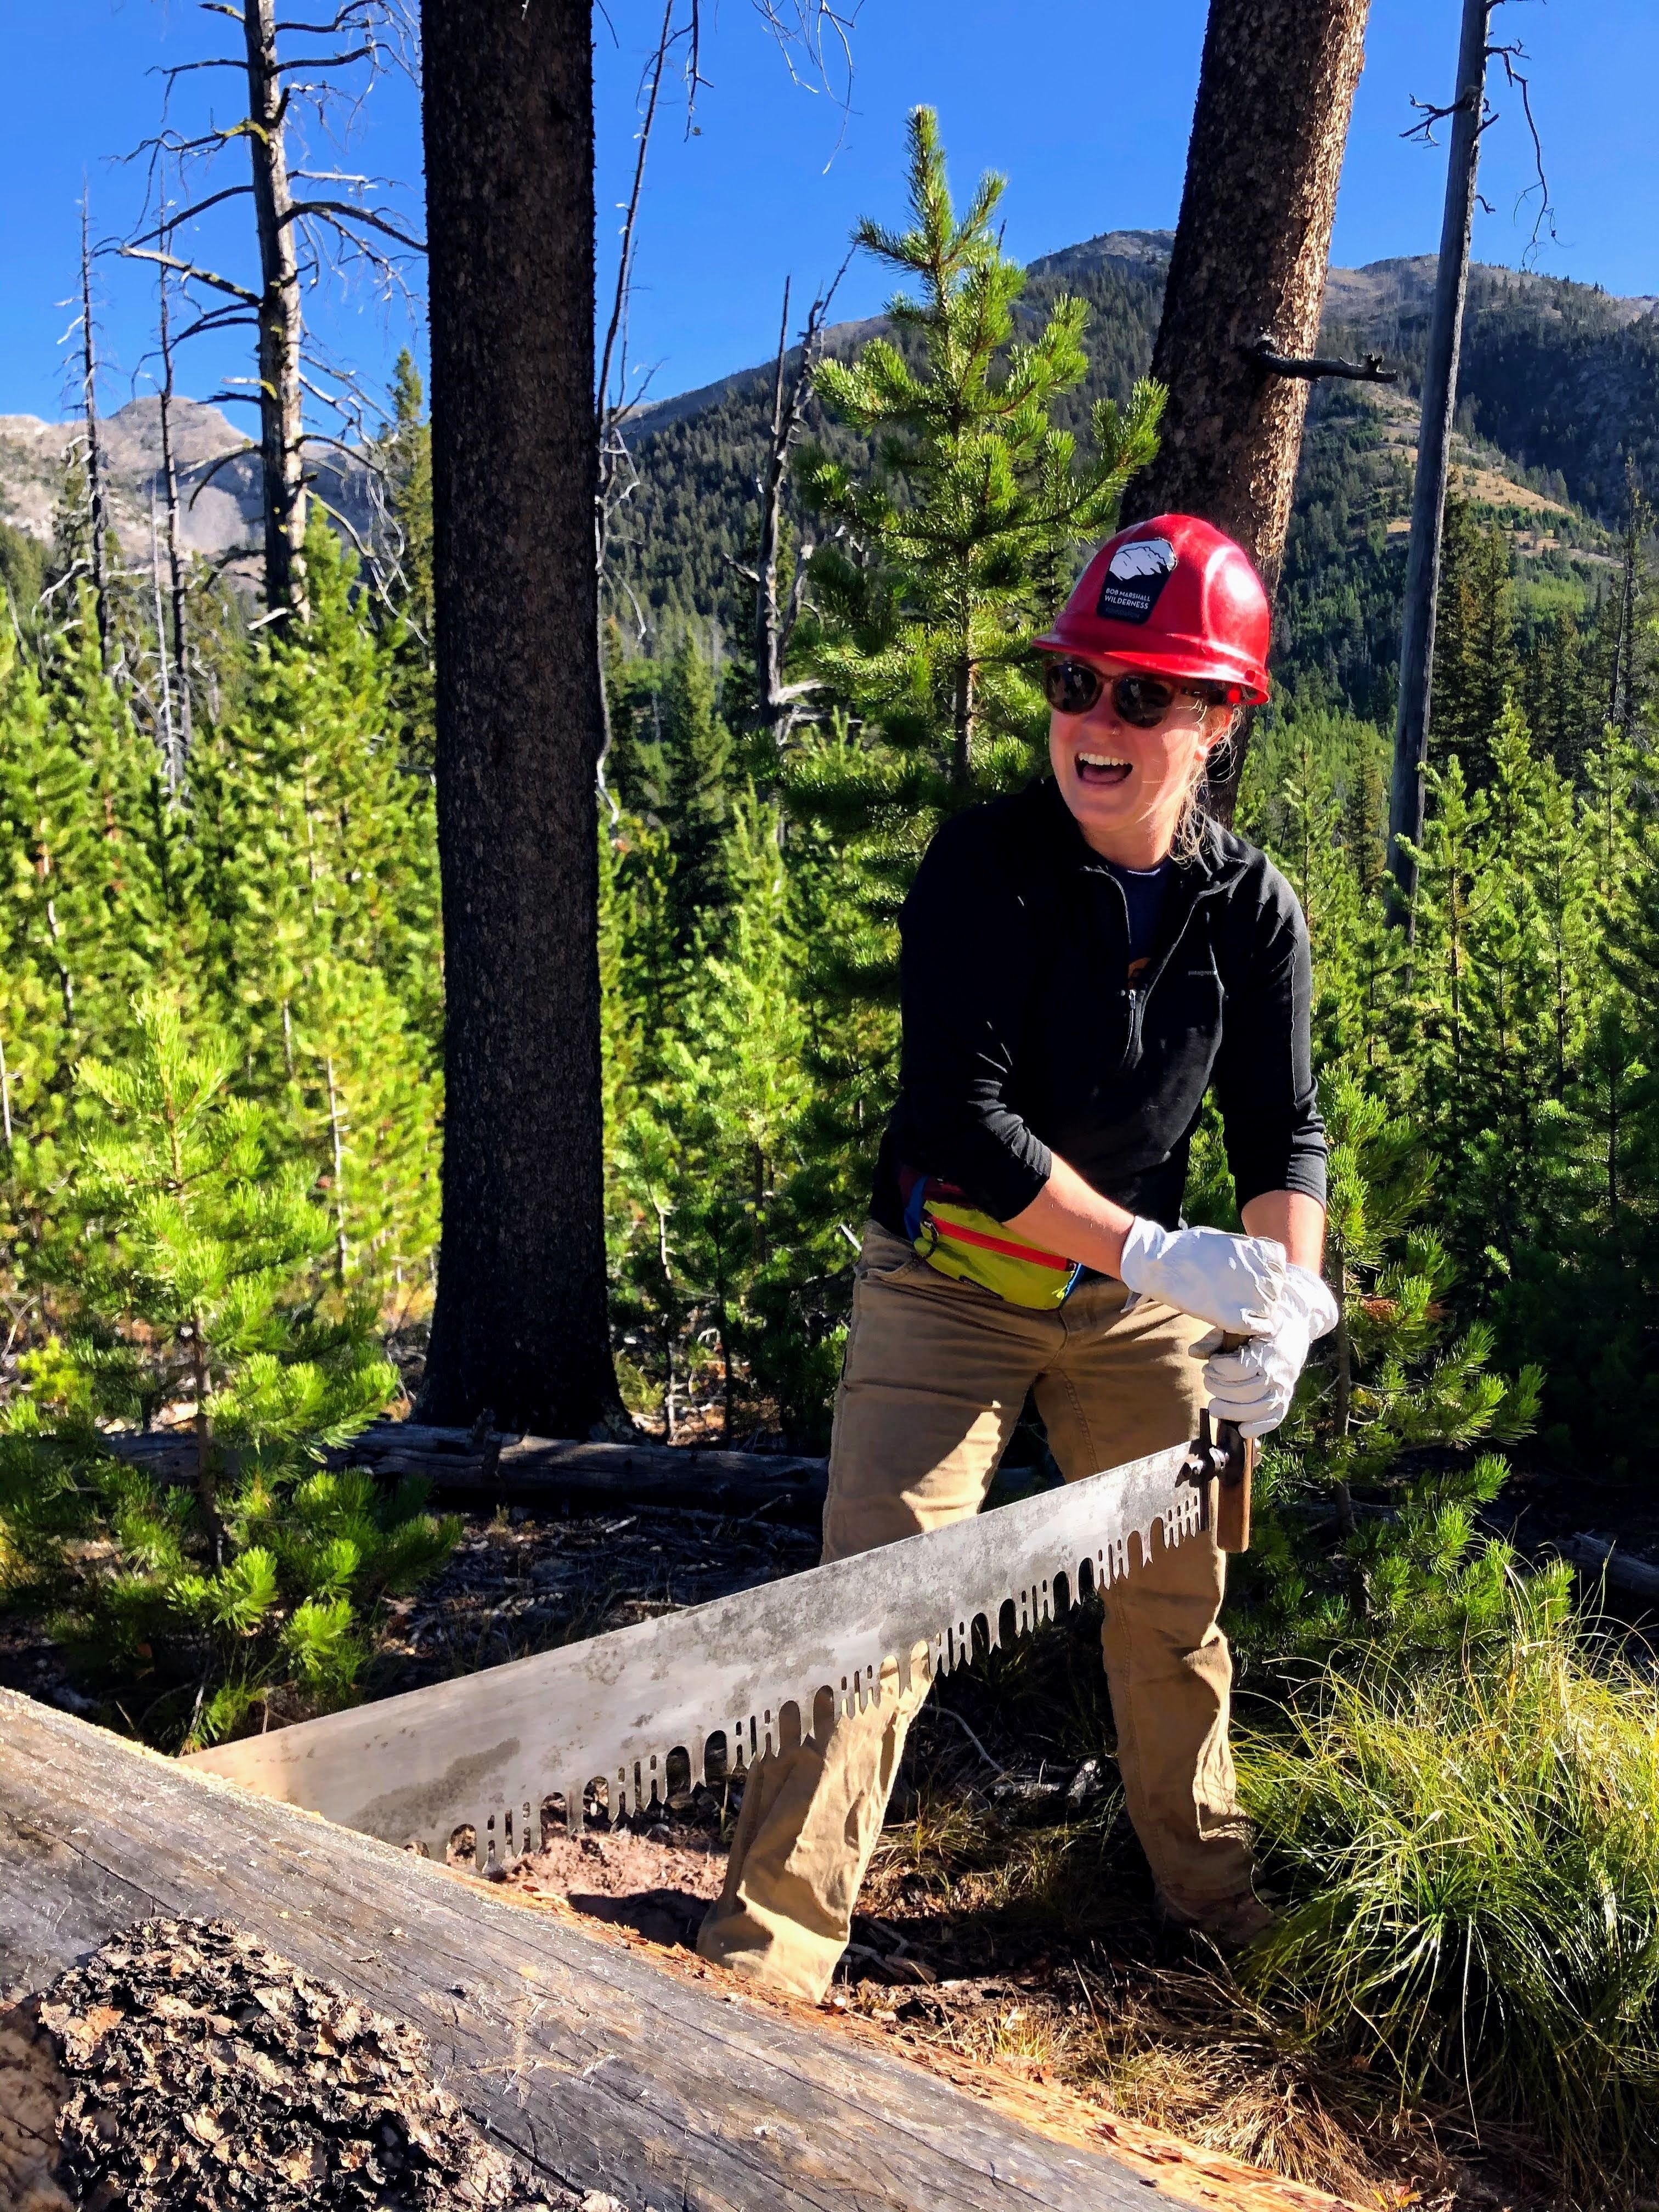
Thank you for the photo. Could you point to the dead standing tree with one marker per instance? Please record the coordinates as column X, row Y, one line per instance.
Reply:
column 777, row 703
column 1470, row 116
column 282, row 411
column 614, row 404
column 1246, row 274
column 806, row 35
column 297, row 235
column 97, row 505
column 175, row 651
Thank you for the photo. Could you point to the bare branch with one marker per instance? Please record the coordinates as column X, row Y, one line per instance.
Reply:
column 236, row 453
column 625, row 265
column 219, row 318
column 1368, row 369
column 184, row 69
column 328, row 61
column 339, row 212
column 821, row 34
column 1544, row 220
column 171, row 222
column 693, row 75
column 192, row 270
column 1428, row 114
column 345, row 523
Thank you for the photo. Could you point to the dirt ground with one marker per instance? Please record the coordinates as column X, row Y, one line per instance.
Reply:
column 1008, row 1917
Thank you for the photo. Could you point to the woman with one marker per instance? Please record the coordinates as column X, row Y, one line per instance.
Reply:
column 1081, row 961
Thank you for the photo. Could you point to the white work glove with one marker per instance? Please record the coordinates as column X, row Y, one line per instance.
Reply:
column 1255, row 1385
column 1231, row 1281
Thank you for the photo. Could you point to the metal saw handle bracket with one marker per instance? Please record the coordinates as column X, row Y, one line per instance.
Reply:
column 1225, row 1462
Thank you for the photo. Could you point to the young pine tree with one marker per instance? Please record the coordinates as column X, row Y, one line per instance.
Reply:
column 1475, row 668
column 190, row 1282
column 1389, row 1424
column 705, row 1146
column 405, row 604
column 319, row 877
column 956, row 546
column 697, row 798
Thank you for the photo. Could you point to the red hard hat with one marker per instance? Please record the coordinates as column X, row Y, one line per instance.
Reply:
column 1175, row 598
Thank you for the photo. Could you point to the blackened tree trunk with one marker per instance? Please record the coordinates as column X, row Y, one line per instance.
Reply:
column 282, row 420
column 1274, row 96
column 521, row 1327
column 1451, row 279
column 97, row 507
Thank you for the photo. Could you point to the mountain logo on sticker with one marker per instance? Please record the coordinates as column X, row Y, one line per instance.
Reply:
column 1137, row 575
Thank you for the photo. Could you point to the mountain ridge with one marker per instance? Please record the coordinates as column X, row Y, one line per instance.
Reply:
column 218, row 470
column 1375, row 290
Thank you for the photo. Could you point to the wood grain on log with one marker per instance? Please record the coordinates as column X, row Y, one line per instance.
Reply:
column 594, row 2066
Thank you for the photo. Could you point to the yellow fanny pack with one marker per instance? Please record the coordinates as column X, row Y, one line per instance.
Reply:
column 959, row 1241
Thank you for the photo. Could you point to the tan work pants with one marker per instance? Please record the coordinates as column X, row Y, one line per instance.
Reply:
column 935, row 1376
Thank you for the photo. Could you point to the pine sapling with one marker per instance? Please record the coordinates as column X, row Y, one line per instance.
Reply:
column 192, row 1286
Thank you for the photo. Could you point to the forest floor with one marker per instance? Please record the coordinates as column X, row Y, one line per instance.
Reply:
column 1008, row 1917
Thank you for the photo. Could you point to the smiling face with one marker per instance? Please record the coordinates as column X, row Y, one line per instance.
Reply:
column 1126, row 786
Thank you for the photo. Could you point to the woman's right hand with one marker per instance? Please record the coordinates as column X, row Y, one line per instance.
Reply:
column 1232, row 1282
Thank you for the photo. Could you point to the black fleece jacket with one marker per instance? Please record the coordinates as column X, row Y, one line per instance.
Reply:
column 1023, row 1035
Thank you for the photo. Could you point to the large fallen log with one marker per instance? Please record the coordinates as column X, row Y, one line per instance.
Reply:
column 597, row 2068
column 548, row 1471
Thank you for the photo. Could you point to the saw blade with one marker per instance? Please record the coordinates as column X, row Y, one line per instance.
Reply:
column 487, row 1750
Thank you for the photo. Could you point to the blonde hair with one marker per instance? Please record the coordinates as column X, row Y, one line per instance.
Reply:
column 1195, row 817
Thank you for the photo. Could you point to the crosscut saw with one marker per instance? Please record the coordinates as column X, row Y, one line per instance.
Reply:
column 486, row 1752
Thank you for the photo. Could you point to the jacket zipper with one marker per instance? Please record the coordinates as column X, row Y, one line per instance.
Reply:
column 1140, row 993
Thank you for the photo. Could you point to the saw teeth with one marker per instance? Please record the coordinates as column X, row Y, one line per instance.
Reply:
column 572, row 1716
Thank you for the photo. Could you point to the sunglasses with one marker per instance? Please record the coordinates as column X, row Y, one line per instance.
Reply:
column 1072, row 687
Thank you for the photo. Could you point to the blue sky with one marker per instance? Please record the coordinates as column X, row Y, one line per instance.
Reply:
column 1088, row 117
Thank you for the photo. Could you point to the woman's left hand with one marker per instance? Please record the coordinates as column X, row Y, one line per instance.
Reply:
column 1255, row 1385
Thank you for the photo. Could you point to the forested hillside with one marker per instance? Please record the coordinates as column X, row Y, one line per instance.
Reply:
column 1559, row 394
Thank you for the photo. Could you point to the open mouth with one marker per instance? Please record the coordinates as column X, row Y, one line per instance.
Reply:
column 1102, row 769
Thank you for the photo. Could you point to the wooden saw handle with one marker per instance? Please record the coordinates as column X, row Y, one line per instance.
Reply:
column 1232, row 1510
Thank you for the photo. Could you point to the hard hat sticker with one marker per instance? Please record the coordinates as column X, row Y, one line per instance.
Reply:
column 1138, row 572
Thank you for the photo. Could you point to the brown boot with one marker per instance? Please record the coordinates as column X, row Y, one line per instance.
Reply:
column 1230, row 1923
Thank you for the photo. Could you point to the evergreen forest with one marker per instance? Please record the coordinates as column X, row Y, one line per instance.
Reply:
column 222, row 1082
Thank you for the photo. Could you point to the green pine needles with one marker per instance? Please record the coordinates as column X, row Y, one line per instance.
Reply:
column 964, row 538
column 190, row 1282
column 944, row 557
column 1388, row 1445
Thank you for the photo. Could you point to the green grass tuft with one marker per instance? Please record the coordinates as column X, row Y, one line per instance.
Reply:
column 1470, row 1848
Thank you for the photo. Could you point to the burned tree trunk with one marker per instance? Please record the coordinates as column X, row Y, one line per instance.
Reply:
column 1411, row 729
column 97, row 510
column 179, row 646
column 1274, row 97
column 281, row 428
column 520, row 1325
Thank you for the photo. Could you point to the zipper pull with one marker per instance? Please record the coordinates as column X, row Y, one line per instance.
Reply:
column 1137, row 1008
